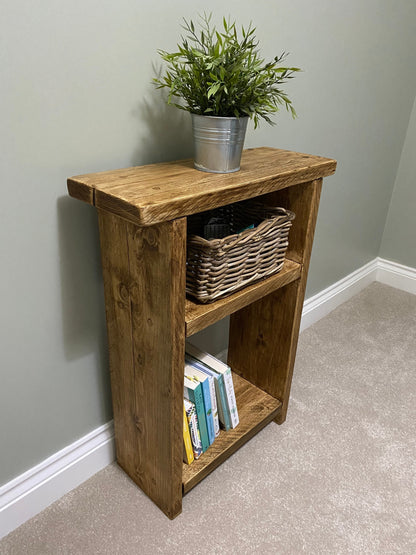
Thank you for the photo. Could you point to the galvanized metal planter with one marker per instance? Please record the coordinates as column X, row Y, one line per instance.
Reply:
column 218, row 143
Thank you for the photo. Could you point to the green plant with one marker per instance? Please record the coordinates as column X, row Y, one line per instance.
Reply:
column 222, row 74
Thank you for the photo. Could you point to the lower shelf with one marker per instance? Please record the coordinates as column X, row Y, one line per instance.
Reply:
column 255, row 409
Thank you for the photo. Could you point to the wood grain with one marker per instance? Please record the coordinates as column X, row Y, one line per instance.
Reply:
column 256, row 409
column 264, row 335
column 199, row 316
column 117, row 287
column 142, row 220
column 144, row 280
column 151, row 194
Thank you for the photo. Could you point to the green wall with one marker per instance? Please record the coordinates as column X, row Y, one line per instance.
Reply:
column 399, row 238
column 76, row 97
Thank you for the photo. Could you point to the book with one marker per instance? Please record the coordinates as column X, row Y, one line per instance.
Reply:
column 196, row 375
column 193, row 392
column 193, row 428
column 222, row 403
column 213, row 377
column 223, row 369
column 188, row 453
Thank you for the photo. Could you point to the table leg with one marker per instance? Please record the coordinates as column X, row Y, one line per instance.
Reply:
column 144, row 284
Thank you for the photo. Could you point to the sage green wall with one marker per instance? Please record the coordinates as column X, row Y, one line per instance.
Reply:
column 76, row 97
column 399, row 238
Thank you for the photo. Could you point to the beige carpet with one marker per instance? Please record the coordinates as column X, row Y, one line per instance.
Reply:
column 338, row 477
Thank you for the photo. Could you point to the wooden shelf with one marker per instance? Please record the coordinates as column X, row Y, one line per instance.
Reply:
column 199, row 316
column 255, row 409
column 142, row 216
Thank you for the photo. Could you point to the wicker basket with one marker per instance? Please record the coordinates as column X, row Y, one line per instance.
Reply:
column 218, row 267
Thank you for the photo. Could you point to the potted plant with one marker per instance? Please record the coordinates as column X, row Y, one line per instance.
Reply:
column 222, row 81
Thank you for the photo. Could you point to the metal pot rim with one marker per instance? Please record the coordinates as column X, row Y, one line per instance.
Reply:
column 218, row 117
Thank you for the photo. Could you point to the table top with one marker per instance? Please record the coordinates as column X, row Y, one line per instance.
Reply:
column 146, row 195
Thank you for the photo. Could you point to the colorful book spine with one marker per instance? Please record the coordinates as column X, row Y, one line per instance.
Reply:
column 232, row 402
column 222, row 402
column 225, row 370
column 188, row 453
column 193, row 392
column 223, row 410
column 214, row 389
column 214, row 407
column 193, row 428
column 199, row 377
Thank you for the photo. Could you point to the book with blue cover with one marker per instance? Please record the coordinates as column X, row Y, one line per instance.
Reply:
column 196, row 375
column 217, row 397
column 193, row 392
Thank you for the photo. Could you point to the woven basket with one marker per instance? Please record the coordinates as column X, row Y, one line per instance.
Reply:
column 218, row 267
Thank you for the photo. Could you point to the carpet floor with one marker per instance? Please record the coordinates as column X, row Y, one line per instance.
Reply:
column 338, row 477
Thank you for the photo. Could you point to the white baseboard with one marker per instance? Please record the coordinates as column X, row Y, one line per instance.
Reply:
column 33, row 491
column 396, row 275
column 324, row 302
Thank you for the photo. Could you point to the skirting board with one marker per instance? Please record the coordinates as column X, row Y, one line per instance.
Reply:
column 379, row 269
column 324, row 302
column 36, row 489
column 33, row 491
column 396, row 275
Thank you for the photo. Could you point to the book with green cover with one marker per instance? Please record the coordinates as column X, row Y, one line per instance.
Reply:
column 193, row 392
column 217, row 389
column 196, row 375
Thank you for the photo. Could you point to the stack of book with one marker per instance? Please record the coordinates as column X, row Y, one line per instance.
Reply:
column 209, row 402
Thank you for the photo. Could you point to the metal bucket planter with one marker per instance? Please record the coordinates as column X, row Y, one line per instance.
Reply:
column 218, row 143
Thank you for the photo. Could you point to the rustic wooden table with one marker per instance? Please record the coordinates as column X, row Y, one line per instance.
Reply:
column 142, row 219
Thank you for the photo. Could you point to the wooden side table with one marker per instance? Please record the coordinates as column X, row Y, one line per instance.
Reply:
column 142, row 219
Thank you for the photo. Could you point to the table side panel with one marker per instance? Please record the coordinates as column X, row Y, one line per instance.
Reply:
column 116, row 278
column 263, row 336
column 149, row 391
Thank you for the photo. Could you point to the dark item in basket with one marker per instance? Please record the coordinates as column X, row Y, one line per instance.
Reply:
column 216, row 228
column 218, row 267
